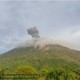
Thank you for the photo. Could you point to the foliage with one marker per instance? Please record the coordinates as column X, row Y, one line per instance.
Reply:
column 66, row 73
column 61, row 74
column 55, row 57
column 26, row 70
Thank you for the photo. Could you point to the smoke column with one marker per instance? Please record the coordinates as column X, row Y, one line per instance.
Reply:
column 33, row 32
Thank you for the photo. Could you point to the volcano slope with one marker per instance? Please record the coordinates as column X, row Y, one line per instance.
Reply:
column 50, row 56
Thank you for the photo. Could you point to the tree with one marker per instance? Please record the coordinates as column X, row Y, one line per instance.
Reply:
column 25, row 70
column 2, row 71
column 60, row 74
column 54, row 75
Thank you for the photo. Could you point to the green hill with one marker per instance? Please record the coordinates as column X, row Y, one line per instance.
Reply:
column 50, row 56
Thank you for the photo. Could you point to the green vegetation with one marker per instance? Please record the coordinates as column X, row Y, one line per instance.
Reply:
column 25, row 70
column 61, row 75
column 48, row 62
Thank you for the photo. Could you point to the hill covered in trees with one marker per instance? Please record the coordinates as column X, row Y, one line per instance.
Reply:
column 47, row 57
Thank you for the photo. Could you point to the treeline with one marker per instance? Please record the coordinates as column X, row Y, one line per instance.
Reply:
column 65, row 73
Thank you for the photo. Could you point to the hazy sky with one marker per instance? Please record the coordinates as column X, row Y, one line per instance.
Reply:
column 57, row 19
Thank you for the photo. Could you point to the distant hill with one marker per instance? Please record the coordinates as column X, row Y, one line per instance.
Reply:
column 49, row 56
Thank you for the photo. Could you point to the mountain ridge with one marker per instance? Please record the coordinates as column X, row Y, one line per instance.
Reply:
column 49, row 56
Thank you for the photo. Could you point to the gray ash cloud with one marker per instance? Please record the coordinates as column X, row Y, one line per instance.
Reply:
column 33, row 31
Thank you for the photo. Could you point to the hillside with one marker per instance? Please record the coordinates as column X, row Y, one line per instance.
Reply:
column 47, row 57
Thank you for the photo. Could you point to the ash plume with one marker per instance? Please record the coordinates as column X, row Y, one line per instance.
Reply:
column 33, row 32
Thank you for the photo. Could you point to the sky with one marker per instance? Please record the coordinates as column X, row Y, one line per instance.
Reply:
column 56, row 19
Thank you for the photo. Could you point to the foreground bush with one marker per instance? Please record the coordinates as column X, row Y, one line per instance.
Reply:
column 25, row 70
column 59, row 74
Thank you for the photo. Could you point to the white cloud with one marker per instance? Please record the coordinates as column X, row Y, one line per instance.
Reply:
column 51, row 17
column 76, row 34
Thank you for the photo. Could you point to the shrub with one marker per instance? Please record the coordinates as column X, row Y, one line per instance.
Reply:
column 25, row 70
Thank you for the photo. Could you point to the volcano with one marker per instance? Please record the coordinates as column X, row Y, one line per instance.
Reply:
column 39, row 55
